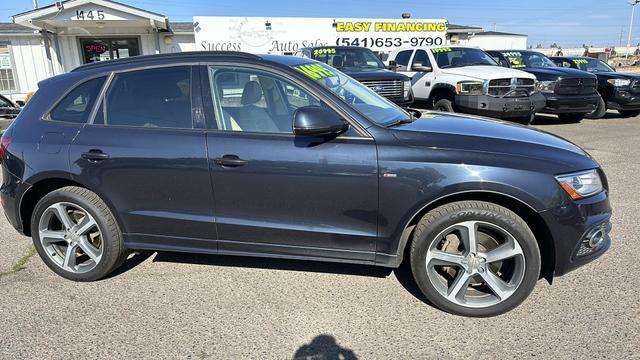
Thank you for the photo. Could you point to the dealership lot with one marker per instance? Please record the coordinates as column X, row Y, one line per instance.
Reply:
column 185, row 305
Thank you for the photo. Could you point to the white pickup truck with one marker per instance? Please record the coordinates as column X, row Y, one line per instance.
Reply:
column 468, row 80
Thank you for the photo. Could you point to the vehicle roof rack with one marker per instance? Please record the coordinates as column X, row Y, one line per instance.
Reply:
column 143, row 58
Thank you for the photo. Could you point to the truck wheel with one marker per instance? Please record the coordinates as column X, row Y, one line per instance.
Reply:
column 600, row 110
column 525, row 120
column 444, row 105
column 629, row 113
column 474, row 258
column 572, row 118
column 76, row 234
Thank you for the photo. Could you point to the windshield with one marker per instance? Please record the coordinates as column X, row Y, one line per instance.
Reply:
column 364, row 100
column 592, row 65
column 348, row 59
column 458, row 57
column 526, row 59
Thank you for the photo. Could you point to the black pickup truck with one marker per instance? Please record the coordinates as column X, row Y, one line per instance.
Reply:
column 618, row 91
column 571, row 94
column 363, row 65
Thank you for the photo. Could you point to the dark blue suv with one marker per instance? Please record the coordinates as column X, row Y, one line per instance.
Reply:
column 230, row 153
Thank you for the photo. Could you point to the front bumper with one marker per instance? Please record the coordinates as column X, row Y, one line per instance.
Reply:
column 624, row 100
column 580, row 230
column 500, row 107
column 570, row 104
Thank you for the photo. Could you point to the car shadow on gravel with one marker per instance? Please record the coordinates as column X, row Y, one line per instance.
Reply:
column 546, row 119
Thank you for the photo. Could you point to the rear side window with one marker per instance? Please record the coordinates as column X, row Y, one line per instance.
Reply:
column 76, row 106
column 403, row 57
column 156, row 98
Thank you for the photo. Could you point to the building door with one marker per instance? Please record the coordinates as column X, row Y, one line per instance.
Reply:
column 100, row 49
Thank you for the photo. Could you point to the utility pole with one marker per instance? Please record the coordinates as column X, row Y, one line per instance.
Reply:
column 633, row 4
column 621, row 34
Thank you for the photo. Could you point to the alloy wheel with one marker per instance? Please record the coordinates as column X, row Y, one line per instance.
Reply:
column 475, row 264
column 71, row 237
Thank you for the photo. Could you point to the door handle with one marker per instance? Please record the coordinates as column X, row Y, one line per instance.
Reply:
column 95, row 155
column 230, row 161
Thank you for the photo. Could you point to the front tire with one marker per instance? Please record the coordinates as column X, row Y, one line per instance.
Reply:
column 474, row 258
column 600, row 110
column 444, row 105
column 76, row 234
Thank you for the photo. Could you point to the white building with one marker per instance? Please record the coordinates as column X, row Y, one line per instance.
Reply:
column 57, row 38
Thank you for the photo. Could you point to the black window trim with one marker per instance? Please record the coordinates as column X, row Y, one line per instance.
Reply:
column 364, row 134
column 47, row 113
column 195, row 103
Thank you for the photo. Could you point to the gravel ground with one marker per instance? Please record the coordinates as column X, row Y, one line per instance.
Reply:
column 179, row 305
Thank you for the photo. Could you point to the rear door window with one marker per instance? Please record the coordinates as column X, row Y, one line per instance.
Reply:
column 76, row 106
column 152, row 98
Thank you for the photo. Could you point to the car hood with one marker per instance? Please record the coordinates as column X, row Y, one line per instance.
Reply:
column 558, row 72
column 487, row 72
column 375, row 74
column 481, row 135
column 617, row 75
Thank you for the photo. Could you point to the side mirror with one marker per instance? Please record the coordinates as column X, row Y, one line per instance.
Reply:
column 421, row 68
column 393, row 65
column 318, row 121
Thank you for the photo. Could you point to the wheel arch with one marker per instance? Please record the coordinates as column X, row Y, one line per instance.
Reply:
column 526, row 211
column 441, row 91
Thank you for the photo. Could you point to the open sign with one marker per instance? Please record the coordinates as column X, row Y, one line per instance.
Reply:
column 95, row 48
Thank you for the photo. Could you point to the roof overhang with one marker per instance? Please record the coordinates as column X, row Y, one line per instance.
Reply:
column 89, row 13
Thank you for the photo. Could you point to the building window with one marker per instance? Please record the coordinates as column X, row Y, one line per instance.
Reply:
column 100, row 49
column 7, row 79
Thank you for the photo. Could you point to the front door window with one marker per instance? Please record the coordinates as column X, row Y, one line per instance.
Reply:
column 100, row 49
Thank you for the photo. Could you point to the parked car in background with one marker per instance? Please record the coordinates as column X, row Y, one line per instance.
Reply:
column 363, row 65
column 464, row 79
column 570, row 93
column 8, row 109
column 287, row 157
column 618, row 91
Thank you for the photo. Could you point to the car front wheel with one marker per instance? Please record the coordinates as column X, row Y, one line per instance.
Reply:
column 474, row 258
column 76, row 234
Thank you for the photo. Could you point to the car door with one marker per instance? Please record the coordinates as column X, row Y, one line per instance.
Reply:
column 421, row 80
column 147, row 158
column 281, row 194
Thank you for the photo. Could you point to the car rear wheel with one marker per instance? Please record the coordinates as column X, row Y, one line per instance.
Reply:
column 474, row 258
column 600, row 110
column 573, row 118
column 444, row 105
column 629, row 113
column 76, row 235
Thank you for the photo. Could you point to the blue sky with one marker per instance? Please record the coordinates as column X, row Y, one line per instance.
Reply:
column 567, row 22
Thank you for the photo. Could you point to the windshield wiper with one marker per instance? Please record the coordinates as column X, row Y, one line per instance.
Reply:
column 400, row 122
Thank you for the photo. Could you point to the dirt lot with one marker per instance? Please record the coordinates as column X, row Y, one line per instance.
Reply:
column 165, row 305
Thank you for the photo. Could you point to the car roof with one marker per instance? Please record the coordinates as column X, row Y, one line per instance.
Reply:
column 193, row 56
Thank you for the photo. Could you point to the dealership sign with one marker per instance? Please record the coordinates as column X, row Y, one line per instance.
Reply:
column 288, row 34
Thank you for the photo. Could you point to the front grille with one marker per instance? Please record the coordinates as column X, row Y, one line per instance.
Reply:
column 576, row 86
column 386, row 88
column 516, row 87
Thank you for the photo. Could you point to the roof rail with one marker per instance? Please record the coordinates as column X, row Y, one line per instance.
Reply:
column 143, row 58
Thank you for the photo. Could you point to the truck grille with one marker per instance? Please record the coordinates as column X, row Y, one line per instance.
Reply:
column 515, row 87
column 576, row 87
column 386, row 88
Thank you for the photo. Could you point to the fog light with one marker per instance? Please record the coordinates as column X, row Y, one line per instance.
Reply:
column 596, row 238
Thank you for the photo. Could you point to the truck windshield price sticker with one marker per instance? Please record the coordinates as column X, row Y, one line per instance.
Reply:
column 580, row 61
column 315, row 71
column 327, row 51
column 440, row 50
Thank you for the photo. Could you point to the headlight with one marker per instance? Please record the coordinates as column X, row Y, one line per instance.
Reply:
column 470, row 88
column 407, row 88
column 546, row 86
column 582, row 184
column 619, row 82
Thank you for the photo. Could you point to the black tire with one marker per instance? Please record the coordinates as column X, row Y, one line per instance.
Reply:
column 443, row 217
column 444, row 105
column 600, row 110
column 629, row 113
column 525, row 120
column 571, row 118
column 114, row 252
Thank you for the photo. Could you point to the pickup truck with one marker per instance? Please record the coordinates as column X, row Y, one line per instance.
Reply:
column 363, row 65
column 571, row 94
column 618, row 91
column 466, row 79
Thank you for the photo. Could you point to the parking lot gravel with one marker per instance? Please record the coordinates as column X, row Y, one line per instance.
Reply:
column 164, row 305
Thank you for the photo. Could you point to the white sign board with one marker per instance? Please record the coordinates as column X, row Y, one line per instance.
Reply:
column 278, row 35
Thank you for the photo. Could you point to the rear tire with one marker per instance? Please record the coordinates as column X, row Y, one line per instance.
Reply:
column 444, row 105
column 600, row 110
column 571, row 118
column 76, row 234
column 629, row 113
column 473, row 280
